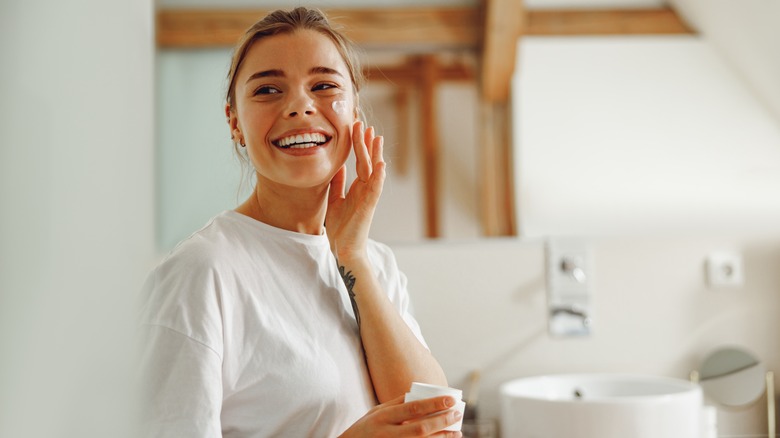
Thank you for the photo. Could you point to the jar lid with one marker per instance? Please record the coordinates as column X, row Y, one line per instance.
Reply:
column 426, row 390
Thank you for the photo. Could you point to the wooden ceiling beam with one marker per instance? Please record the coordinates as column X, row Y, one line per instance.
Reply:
column 660, row 21
column 428, row 26
column 493, row 29
column 455, row 27
column 503, row 25
column 411, row 71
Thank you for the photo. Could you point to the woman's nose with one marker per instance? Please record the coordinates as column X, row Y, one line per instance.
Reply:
column 300, row 104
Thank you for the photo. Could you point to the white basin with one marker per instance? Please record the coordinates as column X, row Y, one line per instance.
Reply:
column 600, row 406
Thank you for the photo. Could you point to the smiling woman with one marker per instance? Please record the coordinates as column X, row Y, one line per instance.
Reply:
column 282, row 317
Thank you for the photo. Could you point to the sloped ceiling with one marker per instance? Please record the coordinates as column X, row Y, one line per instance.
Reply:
column 708, row 162
column 652, row 135
column 747, row 33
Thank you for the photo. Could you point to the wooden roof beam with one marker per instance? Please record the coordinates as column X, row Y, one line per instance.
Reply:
column 659, row 21
column 456, row 27
column 503, row 25
column 428, row 26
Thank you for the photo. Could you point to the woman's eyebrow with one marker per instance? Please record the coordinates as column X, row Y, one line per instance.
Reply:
column 275, row 73
column 324, row 70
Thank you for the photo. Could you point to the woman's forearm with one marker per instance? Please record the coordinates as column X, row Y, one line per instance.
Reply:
column 394, row 355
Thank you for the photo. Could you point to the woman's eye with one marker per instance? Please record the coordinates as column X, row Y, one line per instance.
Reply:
column 319, row 87
column 267, row 90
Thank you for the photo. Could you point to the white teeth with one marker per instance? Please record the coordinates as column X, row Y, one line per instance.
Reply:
column 302, row 141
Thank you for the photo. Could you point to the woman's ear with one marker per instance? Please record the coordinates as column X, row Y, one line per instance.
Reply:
column 232, row 121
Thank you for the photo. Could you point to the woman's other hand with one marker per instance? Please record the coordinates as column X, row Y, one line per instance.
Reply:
column 349, row 214
column 419, row 418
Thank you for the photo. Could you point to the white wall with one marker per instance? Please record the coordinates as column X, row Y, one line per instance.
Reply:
column 76, row 201
column 627, row 135
column 482, row 305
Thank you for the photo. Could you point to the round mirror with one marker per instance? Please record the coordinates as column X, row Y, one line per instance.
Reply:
column 733, row 377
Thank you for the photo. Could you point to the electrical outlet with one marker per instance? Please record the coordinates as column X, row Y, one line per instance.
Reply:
column 724, row 269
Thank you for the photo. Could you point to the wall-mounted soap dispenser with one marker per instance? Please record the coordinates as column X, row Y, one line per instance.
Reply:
column 569, row 271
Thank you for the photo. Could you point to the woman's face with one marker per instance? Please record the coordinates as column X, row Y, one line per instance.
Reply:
column 295, row 105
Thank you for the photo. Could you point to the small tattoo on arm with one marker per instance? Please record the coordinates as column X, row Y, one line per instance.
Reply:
column 349, row 281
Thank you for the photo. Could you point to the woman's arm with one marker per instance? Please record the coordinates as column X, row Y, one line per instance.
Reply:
column 394, row 355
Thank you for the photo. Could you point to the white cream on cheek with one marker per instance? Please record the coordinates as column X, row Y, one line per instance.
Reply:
column 340, row 106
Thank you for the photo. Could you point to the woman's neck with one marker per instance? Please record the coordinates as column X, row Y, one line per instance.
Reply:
column 288, row 208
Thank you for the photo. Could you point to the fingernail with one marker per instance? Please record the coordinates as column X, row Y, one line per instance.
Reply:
column 456, row 415
column 449, row 401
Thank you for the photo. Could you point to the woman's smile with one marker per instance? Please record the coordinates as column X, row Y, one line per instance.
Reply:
column 300, row 142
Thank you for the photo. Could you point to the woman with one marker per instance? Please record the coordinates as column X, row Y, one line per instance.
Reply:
column 264, row 323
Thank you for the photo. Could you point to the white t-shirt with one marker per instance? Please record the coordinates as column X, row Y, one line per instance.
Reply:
column 247, row 331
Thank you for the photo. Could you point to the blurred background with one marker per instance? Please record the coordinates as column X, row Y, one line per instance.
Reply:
column 650, row 130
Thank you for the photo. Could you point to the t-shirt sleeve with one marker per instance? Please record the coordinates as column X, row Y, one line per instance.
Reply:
column 395, row 283
column 181, row 390
column 180, row 353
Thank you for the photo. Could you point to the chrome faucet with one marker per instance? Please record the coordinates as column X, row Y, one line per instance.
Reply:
column 569, row 282
column 573, row 310
column 569, row 320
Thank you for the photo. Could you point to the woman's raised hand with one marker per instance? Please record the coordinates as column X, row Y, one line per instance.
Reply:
column 350, row 213
column 419, row 418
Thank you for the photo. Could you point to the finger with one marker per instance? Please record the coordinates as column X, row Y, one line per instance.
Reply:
column 417, row 409
column 378, row 149
column 432, row 424
column 378, row 175
column 368, row 140
column 362, row 160
column 376, row 184
column 449, row 434
column 338, row 184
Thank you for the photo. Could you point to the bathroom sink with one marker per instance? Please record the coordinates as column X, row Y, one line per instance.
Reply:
column 600, row 406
